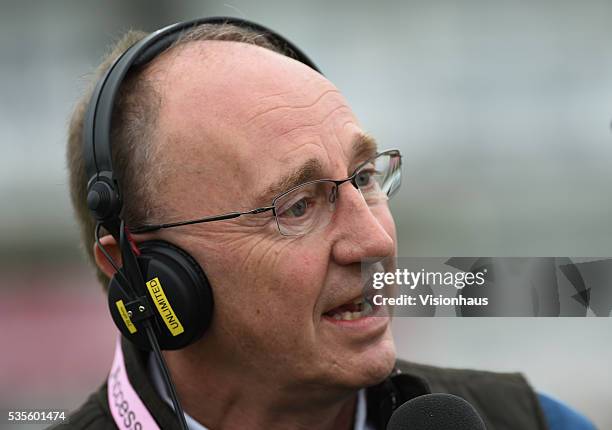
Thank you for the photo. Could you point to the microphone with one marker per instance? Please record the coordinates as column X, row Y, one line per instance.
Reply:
column 436, row 412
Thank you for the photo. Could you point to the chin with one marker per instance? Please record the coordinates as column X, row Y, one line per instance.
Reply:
column 369, row 367
column 378, row 363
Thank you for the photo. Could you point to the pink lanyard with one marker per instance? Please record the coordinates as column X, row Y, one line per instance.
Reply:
column 128, row 411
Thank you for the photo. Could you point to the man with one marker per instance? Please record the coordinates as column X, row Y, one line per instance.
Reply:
column 221, row 122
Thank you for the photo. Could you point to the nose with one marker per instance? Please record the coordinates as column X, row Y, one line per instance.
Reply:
column 361, row 232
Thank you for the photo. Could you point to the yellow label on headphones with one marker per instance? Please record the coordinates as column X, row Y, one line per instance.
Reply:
column 126, row 318
column 164, row 308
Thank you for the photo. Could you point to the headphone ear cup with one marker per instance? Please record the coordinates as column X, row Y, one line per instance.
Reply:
column 177, row 291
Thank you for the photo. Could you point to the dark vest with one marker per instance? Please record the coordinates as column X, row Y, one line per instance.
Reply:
column 505, row 401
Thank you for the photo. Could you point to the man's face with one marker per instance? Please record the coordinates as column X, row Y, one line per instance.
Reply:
column 235, row 120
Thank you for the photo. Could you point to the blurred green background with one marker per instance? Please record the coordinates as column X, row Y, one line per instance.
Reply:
column 502, row 110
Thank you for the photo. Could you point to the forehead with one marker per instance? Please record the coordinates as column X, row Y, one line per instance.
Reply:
column 229, row 108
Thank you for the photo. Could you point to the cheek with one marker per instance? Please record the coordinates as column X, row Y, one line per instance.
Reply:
column 290, row 284
column 274, row 284
column 300, row 275
column 267, row 309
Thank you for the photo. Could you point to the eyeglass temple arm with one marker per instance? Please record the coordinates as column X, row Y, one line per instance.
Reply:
column 229, row 215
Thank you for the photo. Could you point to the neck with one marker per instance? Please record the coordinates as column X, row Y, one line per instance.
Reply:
column 212, row 394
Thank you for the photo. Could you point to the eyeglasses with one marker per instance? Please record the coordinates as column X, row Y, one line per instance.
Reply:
column 309, row 206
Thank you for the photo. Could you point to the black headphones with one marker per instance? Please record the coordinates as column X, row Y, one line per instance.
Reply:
column 159, row 282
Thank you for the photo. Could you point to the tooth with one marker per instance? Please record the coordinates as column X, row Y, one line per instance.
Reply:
column 337, row 316
column 347, row 316
column 356, row 315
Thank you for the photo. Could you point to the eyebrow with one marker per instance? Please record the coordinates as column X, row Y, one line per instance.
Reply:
column 363, row 148
column 309, row 171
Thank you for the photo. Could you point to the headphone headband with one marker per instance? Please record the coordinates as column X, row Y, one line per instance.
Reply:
column 104, row 198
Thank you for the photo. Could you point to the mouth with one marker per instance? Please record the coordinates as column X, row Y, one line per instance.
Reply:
column 358, row 308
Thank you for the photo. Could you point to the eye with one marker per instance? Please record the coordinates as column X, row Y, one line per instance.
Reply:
column 296, row 210
column 364, row 178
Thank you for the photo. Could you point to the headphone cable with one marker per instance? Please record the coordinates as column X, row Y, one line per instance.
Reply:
column 178, row 409
column 150, row 334
column 114, row 264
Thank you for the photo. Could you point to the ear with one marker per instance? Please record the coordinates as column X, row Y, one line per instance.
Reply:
column 110, row 245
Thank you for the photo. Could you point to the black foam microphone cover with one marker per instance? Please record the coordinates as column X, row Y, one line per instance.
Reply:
column 436, row 412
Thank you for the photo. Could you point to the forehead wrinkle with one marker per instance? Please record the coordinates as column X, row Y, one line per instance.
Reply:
column 289, row 106
column 317, row 123
column 280, row 94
